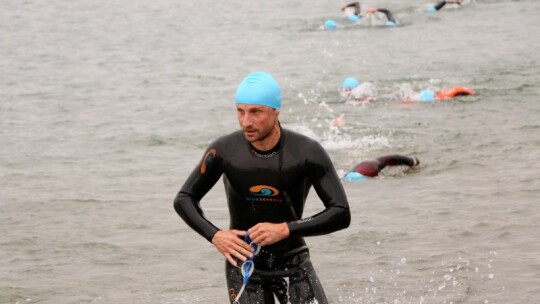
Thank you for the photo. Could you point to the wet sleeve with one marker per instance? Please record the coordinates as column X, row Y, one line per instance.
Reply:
column 395, row 160
column 440, row 5
column 336, row 215
column 353, row 4
column 200, row 181
column 388, row 14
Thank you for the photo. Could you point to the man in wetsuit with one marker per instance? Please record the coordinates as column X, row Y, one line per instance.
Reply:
column 267, row 171
column 371, row 168
column 371, row 10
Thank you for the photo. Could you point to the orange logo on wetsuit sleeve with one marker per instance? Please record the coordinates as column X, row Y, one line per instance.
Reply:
column 263, row 190
column 208, row 160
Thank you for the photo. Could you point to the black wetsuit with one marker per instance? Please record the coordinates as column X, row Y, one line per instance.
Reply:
column 373, row 167
column 270, row 186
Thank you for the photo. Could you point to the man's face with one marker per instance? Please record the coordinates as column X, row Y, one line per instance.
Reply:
column 256, row 122
column 346, row 92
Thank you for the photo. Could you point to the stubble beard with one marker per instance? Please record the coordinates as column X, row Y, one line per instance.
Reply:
column 259, row 136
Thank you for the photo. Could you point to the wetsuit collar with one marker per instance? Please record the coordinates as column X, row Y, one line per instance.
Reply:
column 268, row 153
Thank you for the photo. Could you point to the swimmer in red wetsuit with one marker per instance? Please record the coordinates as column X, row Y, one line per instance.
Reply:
column 430, row 95
column 371, row 168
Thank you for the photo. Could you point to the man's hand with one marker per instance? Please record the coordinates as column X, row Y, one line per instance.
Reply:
column 230, row 243
column 371, row 10
column 268, row 233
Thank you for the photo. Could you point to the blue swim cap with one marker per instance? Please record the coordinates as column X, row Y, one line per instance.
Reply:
column 431, row 9
column 390, row 24
column 427, row 96
column 330, row 25
column 350, row 83
column 259, row 88
column 354, row 177
column 353, row 18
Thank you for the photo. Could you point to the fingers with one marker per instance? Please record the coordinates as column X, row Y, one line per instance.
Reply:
column 231, row 245
column 268, row 233
column 232, row 261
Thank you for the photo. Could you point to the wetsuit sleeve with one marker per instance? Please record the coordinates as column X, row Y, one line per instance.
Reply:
column 327, row 184
column 353, row 4
column 201, row 180
column 388, row 14
column 395, row 160
column 440, row 5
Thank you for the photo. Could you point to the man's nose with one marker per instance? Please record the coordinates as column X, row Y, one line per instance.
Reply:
column 246, row 120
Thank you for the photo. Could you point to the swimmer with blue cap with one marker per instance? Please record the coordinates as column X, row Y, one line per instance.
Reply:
column 258, row 101
column 354, row 13
column 357, row 93
column 372, row 168
column 267, row 172
column 441, row 4
column 428, row 95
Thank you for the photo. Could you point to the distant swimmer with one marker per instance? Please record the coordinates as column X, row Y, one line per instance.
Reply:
column 448, row 93
column 441, row 4
column 356, row 13
column 372, row 168
column 357, row 94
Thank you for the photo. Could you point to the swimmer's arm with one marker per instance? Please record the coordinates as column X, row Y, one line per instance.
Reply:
column 336, row 215
column 190, row 211
column 356, row 5
column 388, row 14
column 440, row 5
column 187, row 201
column 396, row 160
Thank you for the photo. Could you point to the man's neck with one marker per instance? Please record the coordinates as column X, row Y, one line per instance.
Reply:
column 270, row 141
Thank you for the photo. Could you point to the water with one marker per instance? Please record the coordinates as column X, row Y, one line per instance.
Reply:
column 105, row 107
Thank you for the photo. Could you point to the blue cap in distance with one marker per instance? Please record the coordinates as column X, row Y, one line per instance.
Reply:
column 350, row 83
column 427, row 96
column 330, row 24
column 389, row 24
column 259, row 88
column 354, row 176
column 431, row 9
column 353, row 18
